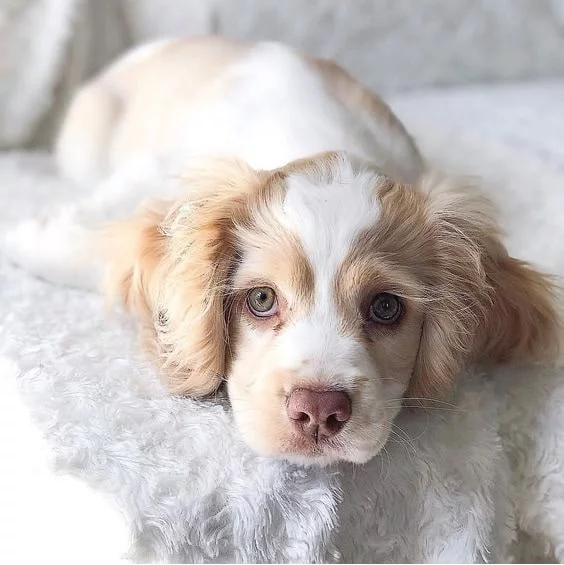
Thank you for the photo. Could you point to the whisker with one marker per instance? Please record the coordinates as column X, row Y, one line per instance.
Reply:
column 426, row 399
column 427, row 424
column 389, row 462
column 406, row 445
column 435, row 408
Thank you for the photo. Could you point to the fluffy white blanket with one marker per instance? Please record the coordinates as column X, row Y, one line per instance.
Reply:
column 189, row 490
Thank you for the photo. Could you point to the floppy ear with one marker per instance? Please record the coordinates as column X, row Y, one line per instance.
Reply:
column 171, row 265
column 134, row 250
column 484, row 306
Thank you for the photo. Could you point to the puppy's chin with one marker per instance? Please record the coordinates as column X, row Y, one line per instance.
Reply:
column 296, row 449
column 356, row 456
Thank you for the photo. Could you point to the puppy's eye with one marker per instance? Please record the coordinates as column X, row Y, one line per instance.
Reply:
column 262, row 301
column 385, row 308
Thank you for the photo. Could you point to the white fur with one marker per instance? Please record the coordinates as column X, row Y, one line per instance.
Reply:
column 326, row 222
column 327, row 217
column 39, row 34
column 292, row 115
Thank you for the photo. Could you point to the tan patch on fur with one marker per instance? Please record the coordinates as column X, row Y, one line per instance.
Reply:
column 440, row 248
column 286, row 267
column 318, row 168
column 202, row 60
column 283, row 261
column 154, row 91
column 174, row 272
column 136, row 247
column 506, row 311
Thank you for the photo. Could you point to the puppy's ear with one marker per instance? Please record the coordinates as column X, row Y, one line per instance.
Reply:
column 172, row 269
column 523, row 324
column 134, row 250
column 484, row 305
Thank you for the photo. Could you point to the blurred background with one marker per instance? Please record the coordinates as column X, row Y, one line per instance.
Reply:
column 47, row 47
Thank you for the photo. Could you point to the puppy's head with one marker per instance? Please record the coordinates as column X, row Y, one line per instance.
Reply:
column 325, row 293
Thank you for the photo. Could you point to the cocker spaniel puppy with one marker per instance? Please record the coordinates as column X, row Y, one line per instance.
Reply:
column 307, row 261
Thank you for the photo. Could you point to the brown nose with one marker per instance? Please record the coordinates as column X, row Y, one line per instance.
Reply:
column 318, row 413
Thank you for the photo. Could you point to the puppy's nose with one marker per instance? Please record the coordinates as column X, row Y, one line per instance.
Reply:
column 318, row 413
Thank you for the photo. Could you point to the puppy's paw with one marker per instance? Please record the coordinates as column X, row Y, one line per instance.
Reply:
column 56, row 248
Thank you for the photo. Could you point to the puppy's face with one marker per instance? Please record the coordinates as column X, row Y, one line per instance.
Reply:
column 323, row 292
column 323, row 334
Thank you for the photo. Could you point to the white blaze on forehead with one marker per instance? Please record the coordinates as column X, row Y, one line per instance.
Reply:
column 327, row 217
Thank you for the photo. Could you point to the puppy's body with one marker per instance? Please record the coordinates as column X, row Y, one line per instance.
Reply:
column 311, row 267
column 264, row 103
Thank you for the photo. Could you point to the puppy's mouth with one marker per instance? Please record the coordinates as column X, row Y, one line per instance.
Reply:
column 324, row 451
column 315, row 450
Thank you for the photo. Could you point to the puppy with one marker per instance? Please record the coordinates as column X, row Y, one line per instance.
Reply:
column 306, row 260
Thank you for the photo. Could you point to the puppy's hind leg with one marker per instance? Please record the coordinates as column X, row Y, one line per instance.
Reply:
column 82, row 146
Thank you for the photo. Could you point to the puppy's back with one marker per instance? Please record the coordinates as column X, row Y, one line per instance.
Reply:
column 261, row 102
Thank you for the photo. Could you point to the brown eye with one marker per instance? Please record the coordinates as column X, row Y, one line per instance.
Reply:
column 262, row 302
column 385, row 308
